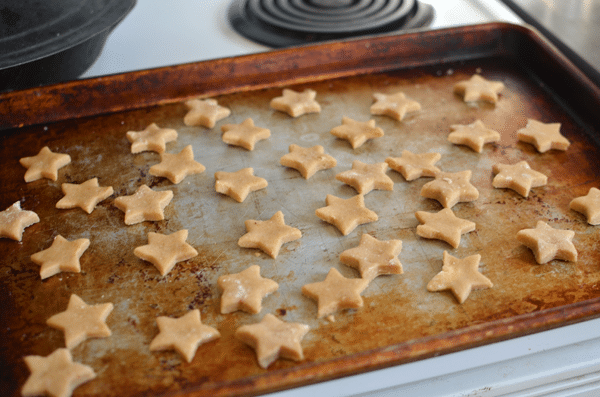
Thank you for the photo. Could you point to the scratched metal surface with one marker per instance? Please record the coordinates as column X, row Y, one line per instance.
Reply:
column 397, row 308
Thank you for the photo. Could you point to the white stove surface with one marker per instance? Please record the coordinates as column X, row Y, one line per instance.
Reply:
column 560, row 362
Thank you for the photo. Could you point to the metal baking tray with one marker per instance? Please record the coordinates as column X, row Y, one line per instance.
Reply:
column 400, row 321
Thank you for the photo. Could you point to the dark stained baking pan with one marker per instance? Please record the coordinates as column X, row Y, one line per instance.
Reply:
column 400, row 321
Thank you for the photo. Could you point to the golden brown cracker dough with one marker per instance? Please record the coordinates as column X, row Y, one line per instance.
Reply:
column 413, row 166
column 346, row 214
column 239, row 184
column 175, row 167
column 85, row 195
column 473, row 135
column 307, row 160
column 296, row 103
column 443, row 225
column 152, row 138
column 268, row 236
column 548, row 243
column 589, row 205
column 245, row 290
column 543, row 136
column 44, row 165
column 14, row 220
column 164, row 251
column 62, row 256
column 373, row 257
column 144, row 205
column 356, row 132
column 478, row 88
column 451, row 188
column 395, row 105
column 244, row 135
column 366, row 177
column 518, row 177
column 204, row 112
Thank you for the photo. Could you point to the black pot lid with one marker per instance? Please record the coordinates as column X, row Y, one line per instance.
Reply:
column 34, row 29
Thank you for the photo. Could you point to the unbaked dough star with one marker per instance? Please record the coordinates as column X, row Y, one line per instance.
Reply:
column 395, row 106
column 44, row 165
column 443, row 225
column 518, row 177
column 548, row 243
column 272, row 338
column 175, row 167
column 413, row 166
column 183, row 334
column 56, row 374
column 268, row 236
column 451, row 188
column 373, row 257
column 245, row 290
column 366, row 177
column 460, row 276
column 356, row 132
column 543, row 136
column 239, row 184
column 164, row 251
column 307, row 160
column 589, row 205
column 144, row 205
column 85, row 195
column 81, row 321
column 245, row 134
column 478, row 88
column 152, row 138
column 14, row 220
column 473, row 135
column 204, row 112
column 346, row 214
column 62, row 256
column 296, row 103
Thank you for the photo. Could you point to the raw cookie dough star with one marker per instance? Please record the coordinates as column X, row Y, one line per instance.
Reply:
column 373, row 257
column 336, row 292
column 356, row 132
column 518, row 177
column 239, row 184
column 473, row 135
column 62, row 256
column 307, row 160
column 366, row 177
column 175, row 167
column 245, row 290
column 268, row 236
column 588, row 205
column 204, row 112
column 346, row 214
column 144, row 205
column 85, row 195
column 14, row 220
column 443, row 225
column 451, row 188
column 44, row 165
column 81, row 321
column 273, row 338
column 478, row 88
column 183, row 334
column 460, row 276
column 548, row 243
column 164, row 251
column 296, row 103
column 413, row 166
column 543, row 136
column 245, row 134
column 56, row 374
column 153, row 138
column 395, row 106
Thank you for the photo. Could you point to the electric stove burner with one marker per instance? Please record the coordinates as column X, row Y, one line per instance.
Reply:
column 283, row 23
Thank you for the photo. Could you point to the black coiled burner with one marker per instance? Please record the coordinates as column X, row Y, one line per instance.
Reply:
column 283, row 23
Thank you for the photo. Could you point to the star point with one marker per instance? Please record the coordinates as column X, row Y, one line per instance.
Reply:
column 296, row 103
column 176, row 167
column 85, row 195
column 307, row 160
column 478, row 88
column 543, row 136
column 451, row 188
column 144, row 205
column 473, row 135
column 62, row 256
column 152, row 138
column 366, row 177
column 413, row 166
column 204, row 112
column 443, row 225
column 14, row 220
column 395, row 106
column 165, row 251
column 356, row 132
column 239, row 184
column 244, row 135
column 268, row 236
column 548, row 243
column 44, row 165
column 245, row 290
column 518, row 177
column 373, row 257
column 588, row 205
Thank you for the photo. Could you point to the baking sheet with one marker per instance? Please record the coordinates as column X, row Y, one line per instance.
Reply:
column 400, row 320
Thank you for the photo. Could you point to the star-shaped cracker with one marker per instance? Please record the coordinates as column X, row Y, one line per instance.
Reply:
column 548, row 243
column 336, row 292
column 175, row 167
column 62, row 256
column 273, row 338
column 268, row 236
column 451, row 188
column 588, row 205
column 245, row 134
column 356, row 132
column 473, row 135
column 164, row 251
column 543, row 136
column 239, row 184
column 14, row 220
column 413, row 166
column 443, row 225
column 366, row 177
column 373, row 257
column 245, row 290
column 478, row 88
column 205, row 112
column 296, row 103
column 461, row 276
column 307, row 160
column 85, row 195
column 346, row 214
column 152, row 138
column 183, row 334
column 44, row 165
column 81, row 321
column 56, row 375
column 395, row 106
column 144, row 205
column 518, row 177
